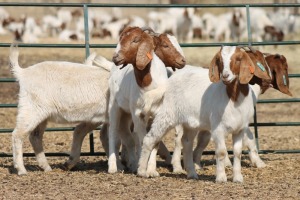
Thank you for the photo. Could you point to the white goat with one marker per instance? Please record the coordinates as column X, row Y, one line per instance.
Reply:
column 115, row 27
column 3, row 16
column 191, row 100
column 259, row 22
column 53, row 91
column 277, row 68
column 52, row 25
column 149, row 56
column 69, row 35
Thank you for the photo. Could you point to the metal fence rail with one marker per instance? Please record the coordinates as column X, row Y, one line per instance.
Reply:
column 87, row 47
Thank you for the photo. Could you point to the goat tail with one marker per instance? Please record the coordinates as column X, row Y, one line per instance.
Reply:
column 13, row 60
column 90, row 59
column 151, row 102
column 102, row 62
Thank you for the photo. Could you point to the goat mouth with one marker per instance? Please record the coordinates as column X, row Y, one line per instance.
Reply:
column 118, row 61
column 226, row 82
column 180, row 65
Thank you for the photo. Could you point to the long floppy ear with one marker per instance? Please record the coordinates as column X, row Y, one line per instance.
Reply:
column 247, row 69
column 144, row 54
column 282, row 80
column 261, row 68
column 214, row 73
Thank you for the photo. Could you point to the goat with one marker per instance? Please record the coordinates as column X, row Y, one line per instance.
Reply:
column 53, row 91
column 69, row 35
column 3, row 16
column 148, row 55
column 222, row 107
column 277, row 68
column 259, row 23
column 52, row 25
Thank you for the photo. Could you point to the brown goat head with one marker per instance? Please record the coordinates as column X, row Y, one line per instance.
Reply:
column 134, row 47
column 231, row 63
column 169, row 51
column 279, row 68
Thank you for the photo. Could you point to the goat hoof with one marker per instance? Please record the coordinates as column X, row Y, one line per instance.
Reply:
column 112, row 171
column 67, row 166
column 178, row 170
column 142, row 173
column 238, row 178
column 221, row 179
column 152, row 174
column 193, row 175
column 47, row 169
column 22, row 172
column 260, row 164
column 228, row 163
column 198, row 167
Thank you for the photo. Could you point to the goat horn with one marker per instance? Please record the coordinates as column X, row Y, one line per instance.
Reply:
column 147, row 28
column 267, row 54
column 151, row 32
column 249, row 47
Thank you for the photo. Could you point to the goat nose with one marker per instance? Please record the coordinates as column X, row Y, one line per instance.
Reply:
column 183, row 60
column 225, row 75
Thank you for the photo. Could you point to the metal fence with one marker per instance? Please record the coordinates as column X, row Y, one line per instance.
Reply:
column 87, row 47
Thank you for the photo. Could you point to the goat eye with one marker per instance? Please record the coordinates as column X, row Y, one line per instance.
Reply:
column 136, row 39
column 165, row 45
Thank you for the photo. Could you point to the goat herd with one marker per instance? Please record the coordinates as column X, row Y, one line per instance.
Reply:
column 138, row 100
column 186, row 24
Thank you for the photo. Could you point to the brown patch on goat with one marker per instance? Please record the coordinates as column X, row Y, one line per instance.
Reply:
column 18, row 35
column 279, row 68
column 105, row 33
column 76, row 13
column 73, row 37
column 234, row 89
column 197, row 33
column 63, row 26
column 276, row 35
column 235, row 20
column 143, row 77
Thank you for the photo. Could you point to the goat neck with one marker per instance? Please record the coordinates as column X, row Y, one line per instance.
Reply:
column 152, row 75
column 234, row 89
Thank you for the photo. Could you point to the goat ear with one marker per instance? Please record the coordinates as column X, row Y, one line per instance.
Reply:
column 261, row 68
column 282, row 81
column 247, row 69
column 214, row 74
column 144, row 55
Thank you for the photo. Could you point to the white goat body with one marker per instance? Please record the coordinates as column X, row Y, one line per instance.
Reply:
column 190, row 99
column 62, row 92
column 128, row 85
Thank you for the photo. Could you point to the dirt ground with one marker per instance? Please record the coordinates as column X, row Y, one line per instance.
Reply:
column 280, row 179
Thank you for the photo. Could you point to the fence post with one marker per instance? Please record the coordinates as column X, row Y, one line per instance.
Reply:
column 87, row 53
column 249, row 26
